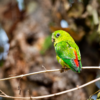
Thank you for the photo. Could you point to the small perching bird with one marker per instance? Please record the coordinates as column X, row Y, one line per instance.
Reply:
column 67, row 51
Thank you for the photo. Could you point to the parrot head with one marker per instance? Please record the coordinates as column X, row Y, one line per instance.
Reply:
column 59, row 36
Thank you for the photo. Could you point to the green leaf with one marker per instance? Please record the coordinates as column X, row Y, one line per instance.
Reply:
column 98, row 96
column 1, row 49
column 1, row 63
column 46, row 45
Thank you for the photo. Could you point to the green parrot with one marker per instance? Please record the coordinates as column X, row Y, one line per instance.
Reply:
column 67, row 51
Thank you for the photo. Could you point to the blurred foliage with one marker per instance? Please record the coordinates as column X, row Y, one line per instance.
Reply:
column 29, row 31
column 46, row 45
column 1, row 62
column 1, row 49
column 90, row 99
column 98, row 95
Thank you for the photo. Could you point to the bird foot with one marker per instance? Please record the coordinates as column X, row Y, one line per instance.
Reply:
column 63, row 69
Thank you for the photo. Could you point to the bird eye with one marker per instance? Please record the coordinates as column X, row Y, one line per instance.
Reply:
column 57, row 35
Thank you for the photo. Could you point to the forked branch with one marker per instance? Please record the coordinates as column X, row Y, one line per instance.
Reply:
column 51, row 95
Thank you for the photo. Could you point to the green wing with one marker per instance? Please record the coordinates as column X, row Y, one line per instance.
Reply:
column 66, row 53
column 74, row 45
column 64, row 50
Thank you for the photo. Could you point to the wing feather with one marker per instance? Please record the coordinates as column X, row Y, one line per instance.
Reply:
column 68, row 55
column 63, row 50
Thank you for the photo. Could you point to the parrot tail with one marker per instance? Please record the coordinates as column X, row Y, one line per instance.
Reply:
column 80, row 65
column 73, row 65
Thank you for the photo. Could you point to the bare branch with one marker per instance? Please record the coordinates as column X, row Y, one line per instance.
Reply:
column 3, row 93
column 20, row 76
column 55, row 94
column 45, row 71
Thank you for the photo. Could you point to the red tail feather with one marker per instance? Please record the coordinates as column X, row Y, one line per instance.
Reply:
column 76, row 60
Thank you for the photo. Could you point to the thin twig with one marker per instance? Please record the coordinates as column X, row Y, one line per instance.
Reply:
column 55, row 94
column 44, row 67
column 3, row 93
column 44, row 71
column 94, row 93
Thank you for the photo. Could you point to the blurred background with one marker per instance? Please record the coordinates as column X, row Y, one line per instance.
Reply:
column 25, row 46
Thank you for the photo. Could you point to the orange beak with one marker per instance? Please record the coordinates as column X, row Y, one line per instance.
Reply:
column 53, row 40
